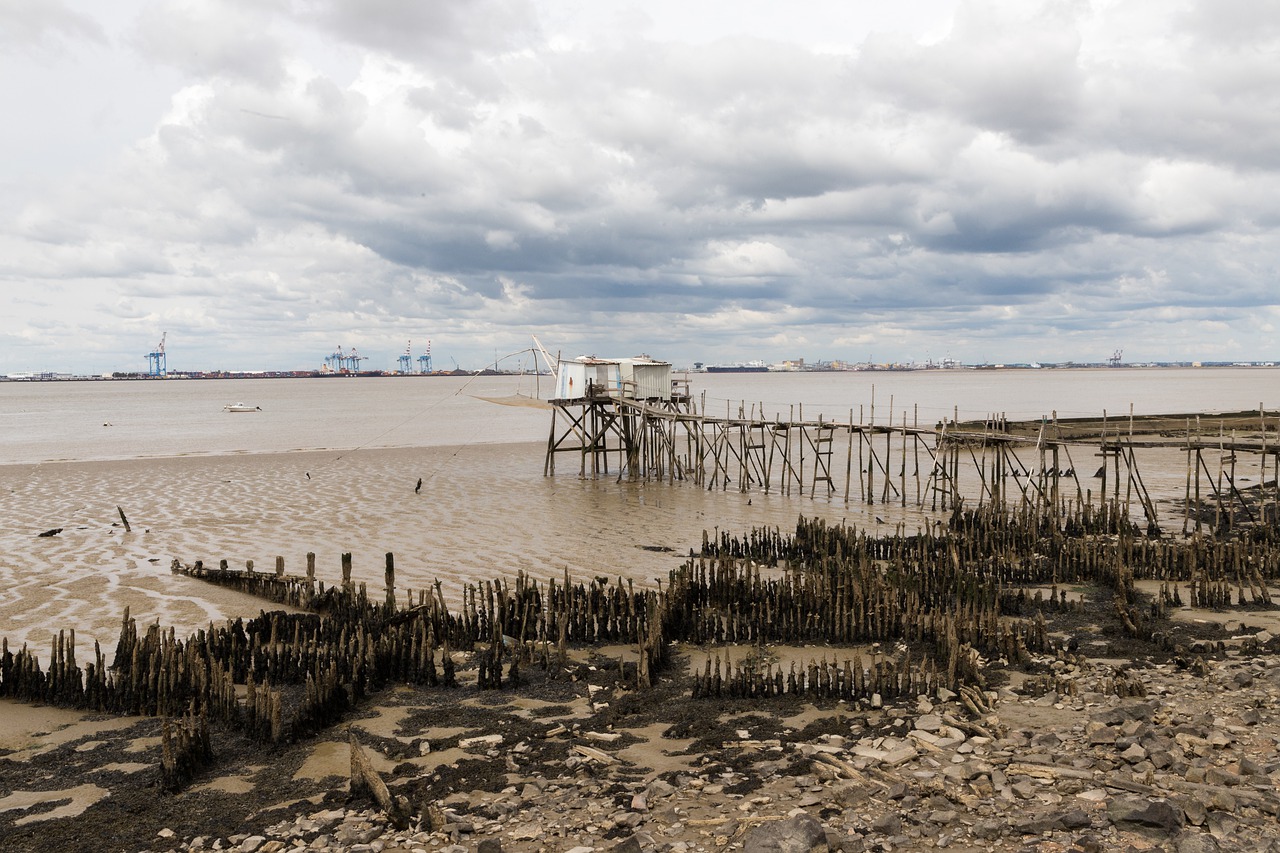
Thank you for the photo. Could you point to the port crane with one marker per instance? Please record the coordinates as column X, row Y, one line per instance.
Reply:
column 406, row 360
column 424, row 360
column 353, row 360
column 1114, row 361
column 336, row 361
column 157, row 363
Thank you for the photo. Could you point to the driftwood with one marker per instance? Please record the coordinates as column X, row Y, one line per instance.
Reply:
column 594, row 754
column 364, row 779
column 54, row 532
column 123, row 520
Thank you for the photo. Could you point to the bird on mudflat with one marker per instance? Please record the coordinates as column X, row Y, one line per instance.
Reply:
column 418, row 488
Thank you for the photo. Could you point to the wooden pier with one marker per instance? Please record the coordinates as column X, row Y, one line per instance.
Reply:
column 1046, row 464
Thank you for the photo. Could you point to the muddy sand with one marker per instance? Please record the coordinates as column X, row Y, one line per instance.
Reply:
column 575, row 759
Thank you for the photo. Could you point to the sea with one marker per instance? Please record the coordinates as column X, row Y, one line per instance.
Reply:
column 332, row 465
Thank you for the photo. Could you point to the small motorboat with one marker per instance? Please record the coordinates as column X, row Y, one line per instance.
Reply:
column 241, row 407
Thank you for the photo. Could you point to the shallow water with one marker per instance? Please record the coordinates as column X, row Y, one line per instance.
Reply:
column 330, row 466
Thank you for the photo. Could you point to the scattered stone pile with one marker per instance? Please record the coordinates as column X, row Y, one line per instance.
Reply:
column 1191, row 767
column 962, row 709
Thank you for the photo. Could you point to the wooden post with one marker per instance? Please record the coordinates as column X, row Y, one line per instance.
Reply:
column 390, row 581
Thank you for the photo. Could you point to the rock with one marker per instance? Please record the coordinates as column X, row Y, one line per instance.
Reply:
column 1194, row 811
column 489, row 845
column 1089, row 844
column 1036, row 825
column 252, row 843
column 887, row 824
column 1221, row 801
column 1136, row 814
column 658, row 789
column 929, row 723
column 631, row 844
column 1024, row 790
column 1197, row 842
column 1222, row 776
column 799, row 834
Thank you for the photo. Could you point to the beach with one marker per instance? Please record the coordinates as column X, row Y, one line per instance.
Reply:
column 281, row 486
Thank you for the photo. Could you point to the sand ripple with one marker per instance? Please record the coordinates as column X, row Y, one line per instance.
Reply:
column 484, row 511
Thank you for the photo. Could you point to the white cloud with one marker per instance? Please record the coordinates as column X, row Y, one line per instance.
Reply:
column 1017, row 177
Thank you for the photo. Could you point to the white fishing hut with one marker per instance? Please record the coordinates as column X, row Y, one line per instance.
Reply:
column 589, row 377
column 645, row 378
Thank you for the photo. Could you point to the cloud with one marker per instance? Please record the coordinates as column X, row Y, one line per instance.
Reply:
column 429, row 34
column 206, row 39
column 1027, row 180
column 35, row 26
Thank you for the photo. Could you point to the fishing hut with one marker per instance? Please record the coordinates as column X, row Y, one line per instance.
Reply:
column 630, row 417
column 598, row 410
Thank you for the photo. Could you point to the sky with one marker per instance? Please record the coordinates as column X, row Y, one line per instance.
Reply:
column 260, row 182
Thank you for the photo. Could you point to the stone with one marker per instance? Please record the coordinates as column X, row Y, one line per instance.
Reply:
column 658, row 788
column 1197, row 842
column 1222, row 776
column 799, row 834
column 887, row 824
column 929, row 723
column 1194, row 811
column 1135, row 814
column 252, row 843
column 489, row 845
column 1089, row 843
column 1024, row 789
column 1035, row 824
column 630, row 844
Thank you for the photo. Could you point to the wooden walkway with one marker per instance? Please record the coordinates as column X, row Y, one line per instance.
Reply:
column 1044, row 464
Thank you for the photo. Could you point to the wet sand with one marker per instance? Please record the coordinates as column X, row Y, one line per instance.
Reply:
column 483, row 511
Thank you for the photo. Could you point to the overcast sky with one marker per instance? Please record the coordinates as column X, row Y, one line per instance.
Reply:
column 987, row 180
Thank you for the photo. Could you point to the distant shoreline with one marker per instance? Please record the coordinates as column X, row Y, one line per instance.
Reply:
column 859, row 368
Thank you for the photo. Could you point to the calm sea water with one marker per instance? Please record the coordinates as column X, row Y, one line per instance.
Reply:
column 45, row 421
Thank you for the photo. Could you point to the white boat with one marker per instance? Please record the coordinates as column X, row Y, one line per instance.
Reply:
column 241, row 407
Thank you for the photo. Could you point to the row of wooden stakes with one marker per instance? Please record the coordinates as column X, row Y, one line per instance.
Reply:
column 952, row 593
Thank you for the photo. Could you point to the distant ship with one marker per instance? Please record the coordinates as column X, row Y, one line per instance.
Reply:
column 749, row 367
